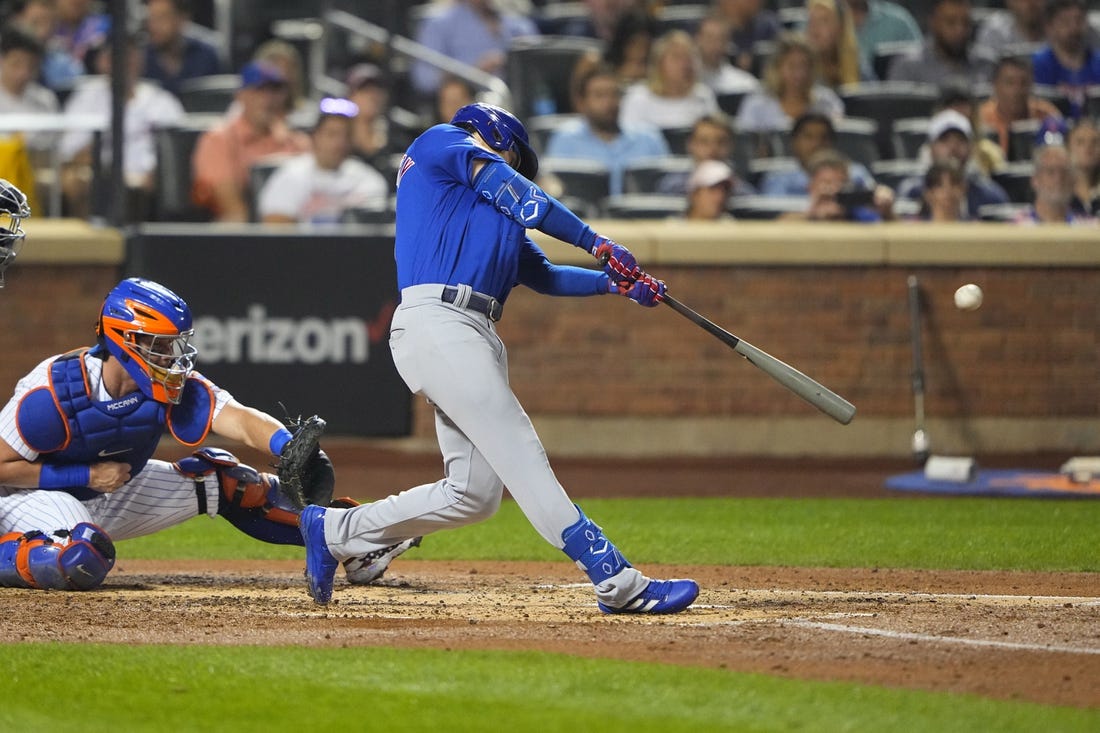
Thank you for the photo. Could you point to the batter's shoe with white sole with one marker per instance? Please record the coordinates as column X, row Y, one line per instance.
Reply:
column 660, row 596
column 320, row 564
column 370, row 567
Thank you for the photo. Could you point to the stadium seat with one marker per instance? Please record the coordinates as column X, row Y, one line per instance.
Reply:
column 1001, row 212
column 582, row 179
column 684, row 17
column 677, row 138
column 762, row 51
column 892, row 172
column 1055, row 97
column 1021, row 139
column 1015, row 179
column 886, row 52
column 643, row 175
column 552, row 18
column 885, row 102
column 173, row 179
column 730, row 102
column 759, row 167
column 257, row 177
column 792, row 18
column 1092, row 102
column 644, row 206
column 909, row 136
column 209, row 94
column 855, row 137
column 765, row 207
column 538, row 71
column 372, row 215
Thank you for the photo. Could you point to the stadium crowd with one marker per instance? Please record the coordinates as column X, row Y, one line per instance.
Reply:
column 856, row 110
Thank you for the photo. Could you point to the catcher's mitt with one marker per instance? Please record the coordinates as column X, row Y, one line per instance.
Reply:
column 305, row 473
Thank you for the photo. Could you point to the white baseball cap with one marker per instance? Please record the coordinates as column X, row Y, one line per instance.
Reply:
column 948, row 120
column 710, row 173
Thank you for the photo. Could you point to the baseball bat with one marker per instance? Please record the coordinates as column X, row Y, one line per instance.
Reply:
column 813, row 392
column 920, row 443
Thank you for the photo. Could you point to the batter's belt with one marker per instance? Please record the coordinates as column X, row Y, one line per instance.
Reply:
column 464, row 297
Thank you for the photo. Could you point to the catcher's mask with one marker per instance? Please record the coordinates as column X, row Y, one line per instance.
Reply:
column 13, row 210
column 503, row 131
column 147, row 328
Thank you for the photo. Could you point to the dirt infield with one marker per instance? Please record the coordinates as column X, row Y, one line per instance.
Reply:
column 1024, row 636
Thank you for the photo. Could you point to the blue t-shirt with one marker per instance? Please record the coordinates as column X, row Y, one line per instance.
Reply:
column 1049, row 70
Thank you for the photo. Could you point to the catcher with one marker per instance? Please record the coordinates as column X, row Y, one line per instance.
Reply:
column 78, row 436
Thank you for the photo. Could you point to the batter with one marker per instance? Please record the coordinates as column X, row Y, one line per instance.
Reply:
column 464, row 202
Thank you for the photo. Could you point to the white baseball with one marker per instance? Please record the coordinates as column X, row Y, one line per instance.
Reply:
column 968, row 297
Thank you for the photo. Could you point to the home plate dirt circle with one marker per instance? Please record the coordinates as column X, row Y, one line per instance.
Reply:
column 1027, row 636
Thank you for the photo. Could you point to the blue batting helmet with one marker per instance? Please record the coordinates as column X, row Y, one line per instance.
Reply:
column 147, row 328
column 13, row 210
column 503, row 131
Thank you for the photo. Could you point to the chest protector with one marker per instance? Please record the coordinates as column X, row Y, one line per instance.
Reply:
column 66, row 425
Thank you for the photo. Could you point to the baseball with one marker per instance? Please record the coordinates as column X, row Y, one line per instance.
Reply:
column 968, row 297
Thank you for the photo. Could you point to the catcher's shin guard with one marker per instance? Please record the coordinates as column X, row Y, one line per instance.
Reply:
column 586, row 545
column 76, row 559
column 250, row 500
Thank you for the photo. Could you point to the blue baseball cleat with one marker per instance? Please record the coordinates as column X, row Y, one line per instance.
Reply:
column 660, row 596
column 320, row 564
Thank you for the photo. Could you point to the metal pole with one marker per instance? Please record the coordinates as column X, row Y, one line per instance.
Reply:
column 116, row 205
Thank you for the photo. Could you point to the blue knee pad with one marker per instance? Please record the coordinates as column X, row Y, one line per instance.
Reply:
column 36, row 560
column 586, row 545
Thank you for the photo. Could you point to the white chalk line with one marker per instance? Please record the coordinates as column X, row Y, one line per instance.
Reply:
column 910, row 636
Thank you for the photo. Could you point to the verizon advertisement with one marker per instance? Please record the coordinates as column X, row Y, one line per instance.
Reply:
column 297, row 318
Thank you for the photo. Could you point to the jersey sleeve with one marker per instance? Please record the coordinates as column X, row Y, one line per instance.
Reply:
column 37, row 379
column 452, row 153
column 537, row 272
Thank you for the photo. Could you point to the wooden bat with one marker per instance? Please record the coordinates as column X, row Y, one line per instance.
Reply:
column 813, row 392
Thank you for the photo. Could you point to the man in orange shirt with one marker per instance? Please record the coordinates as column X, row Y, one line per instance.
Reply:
column 225, row 154
column 1012, row 101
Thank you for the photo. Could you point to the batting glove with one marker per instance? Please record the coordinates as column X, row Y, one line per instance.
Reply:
column 646, row 290
column 617, row 261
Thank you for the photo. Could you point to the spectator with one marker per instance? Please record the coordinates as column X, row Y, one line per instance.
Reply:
column 985, row 154
column 628, row 50
column 599, row 22
column 1013, row 29
column 600, row 134
column 947, row 56
column 1012, row 101
column 709, row 190
column 1067, row 61
column 297, row 110
column 78, row 32
column 20, row 61
column 750, row 24
column 712, row 38
column 373, row 136
column 1083, row 143
column 672, row 96
column 943, row 198
column 172, row 56
column 812, row 133
column 453, row 94
column 225, row 154
column 147, row 107
column 789, row 90
column 711, row 138
column 319, row 186
column 880, row 21
column 832, row 37
column 951, row 137
column 36, row 17
column 473, row 32
column 1052, row 186
column 832, row 198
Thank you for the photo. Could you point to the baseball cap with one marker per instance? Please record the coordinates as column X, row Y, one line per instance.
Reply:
column 257, row 74
column 709, row 173
column 361, row 75
column 947, row 120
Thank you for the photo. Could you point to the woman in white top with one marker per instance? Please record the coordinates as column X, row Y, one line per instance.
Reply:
column 789, row 90
column 672, row 96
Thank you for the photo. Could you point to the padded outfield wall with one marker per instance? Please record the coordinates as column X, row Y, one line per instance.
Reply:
column 1022, row 374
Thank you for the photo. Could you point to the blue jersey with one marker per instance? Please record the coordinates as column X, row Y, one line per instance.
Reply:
column 449, row 233
column 446, row 232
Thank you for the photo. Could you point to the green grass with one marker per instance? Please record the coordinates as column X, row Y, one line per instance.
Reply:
column 157, row 688
column 935, row 533
column 137, row 688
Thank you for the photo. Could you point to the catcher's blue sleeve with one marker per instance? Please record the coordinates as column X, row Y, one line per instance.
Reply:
column 537, row 272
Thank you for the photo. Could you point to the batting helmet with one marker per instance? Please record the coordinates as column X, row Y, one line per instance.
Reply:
column 13, row 210
column 147, row 328
column 503, row 131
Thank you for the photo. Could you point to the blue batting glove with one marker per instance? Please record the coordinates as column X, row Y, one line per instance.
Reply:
column 646, row 290
column 617, row 261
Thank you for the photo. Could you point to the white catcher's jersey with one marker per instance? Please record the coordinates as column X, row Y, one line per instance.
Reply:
column 156, row 498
